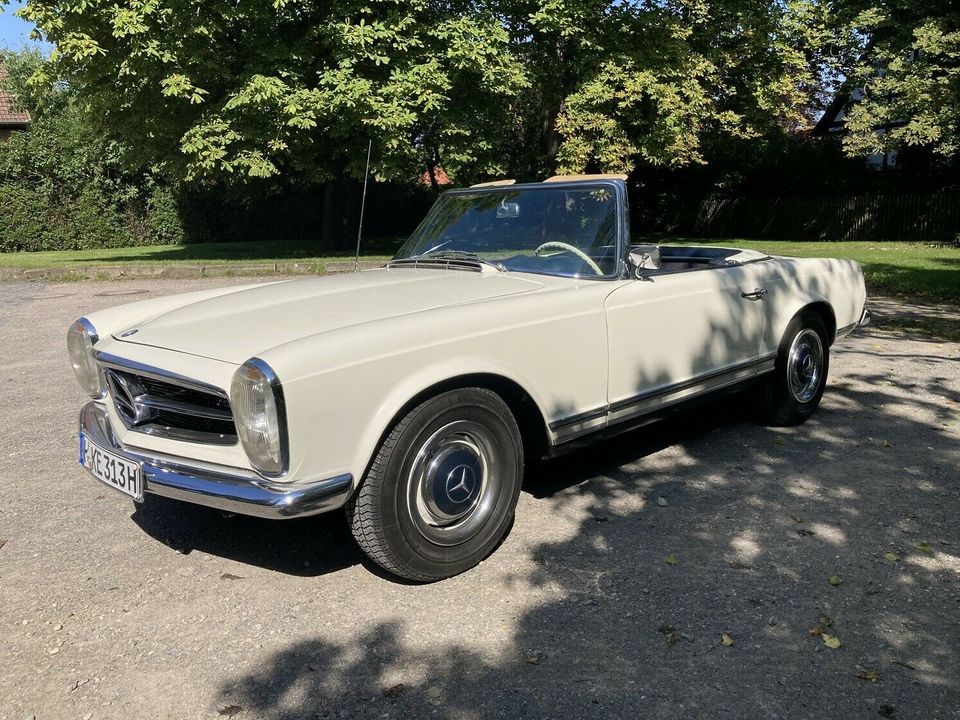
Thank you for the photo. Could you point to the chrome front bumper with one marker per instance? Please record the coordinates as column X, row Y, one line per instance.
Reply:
column 233, row 490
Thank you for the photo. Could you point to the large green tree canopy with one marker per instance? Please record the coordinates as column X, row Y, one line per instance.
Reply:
column 905, row 72
column 214, row 89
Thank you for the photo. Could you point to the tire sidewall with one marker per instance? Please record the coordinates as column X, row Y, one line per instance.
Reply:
column 788, row 409
column 416, row 551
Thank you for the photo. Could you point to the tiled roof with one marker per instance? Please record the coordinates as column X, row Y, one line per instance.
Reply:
column 8, row 116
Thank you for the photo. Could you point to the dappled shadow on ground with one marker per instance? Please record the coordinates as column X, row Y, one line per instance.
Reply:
column 751, row 527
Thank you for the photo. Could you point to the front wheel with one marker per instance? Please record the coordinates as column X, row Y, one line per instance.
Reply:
column 441, row 492
column 793, row 391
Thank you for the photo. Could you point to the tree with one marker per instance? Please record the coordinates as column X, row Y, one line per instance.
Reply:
column 297, row 87
column 907, row 68
column 216, row 89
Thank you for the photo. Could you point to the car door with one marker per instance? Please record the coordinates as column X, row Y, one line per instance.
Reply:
column 673, row 336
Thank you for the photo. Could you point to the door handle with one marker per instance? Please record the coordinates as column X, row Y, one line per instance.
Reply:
column 755, row 295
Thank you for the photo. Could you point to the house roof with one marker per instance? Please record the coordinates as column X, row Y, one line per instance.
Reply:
column 8, row 116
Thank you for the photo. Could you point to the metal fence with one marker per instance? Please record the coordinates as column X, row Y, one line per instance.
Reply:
column 932, row 217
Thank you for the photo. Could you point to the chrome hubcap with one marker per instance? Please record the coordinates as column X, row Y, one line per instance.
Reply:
column 451, row 487
column 805, row 365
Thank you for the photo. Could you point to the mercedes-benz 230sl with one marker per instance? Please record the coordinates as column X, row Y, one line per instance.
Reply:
column 518, row 321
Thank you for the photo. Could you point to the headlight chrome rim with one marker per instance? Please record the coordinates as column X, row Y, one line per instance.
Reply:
column 271, row 469
column 83, row 358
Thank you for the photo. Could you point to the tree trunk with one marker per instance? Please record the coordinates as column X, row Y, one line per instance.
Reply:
column 548, row 132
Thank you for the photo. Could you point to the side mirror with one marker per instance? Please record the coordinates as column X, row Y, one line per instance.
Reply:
column 644, row 260
column 507, row 210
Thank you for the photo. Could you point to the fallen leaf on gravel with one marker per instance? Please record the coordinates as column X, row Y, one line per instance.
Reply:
column 670, row 559
column 891, row 556
column 533, row 659
column 392, row 692
column 836, row 580
column 670, row 634
column 738, row 565
column 925, row 547
column 3, row 541
column 823, row 622
column 726, row 640
column 831, row 641
column 886, row 443
column 870, row 675
column 803, row 532
column 886, row 710
column 230, row 576
column 434, row 692
column 229, row 710
column 780, row 441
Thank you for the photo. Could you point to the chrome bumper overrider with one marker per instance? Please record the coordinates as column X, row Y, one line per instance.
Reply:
column 237, row 491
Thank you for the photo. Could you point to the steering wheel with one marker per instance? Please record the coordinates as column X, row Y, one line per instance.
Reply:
column 556, row 244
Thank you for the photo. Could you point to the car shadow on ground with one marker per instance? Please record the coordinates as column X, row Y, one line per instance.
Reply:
column 828, row 554
column 315, row 546
column 307, row 547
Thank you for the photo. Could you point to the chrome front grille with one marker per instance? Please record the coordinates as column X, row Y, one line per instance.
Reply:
column 164, row 407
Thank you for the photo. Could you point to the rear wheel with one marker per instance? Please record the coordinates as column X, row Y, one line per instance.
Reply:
column 441, row 492
column 793, row 392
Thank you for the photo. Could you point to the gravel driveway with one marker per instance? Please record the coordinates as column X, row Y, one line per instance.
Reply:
column 608, row 599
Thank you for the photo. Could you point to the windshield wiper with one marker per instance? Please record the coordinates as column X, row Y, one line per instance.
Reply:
column 456, row 255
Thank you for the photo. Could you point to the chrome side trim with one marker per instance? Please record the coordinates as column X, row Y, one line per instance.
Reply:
column 114, row 361
column 656, row 399
column 230, row 489
column 865, row 317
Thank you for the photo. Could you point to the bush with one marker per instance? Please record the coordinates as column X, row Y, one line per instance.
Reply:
column 63, row 186
column 164, row 226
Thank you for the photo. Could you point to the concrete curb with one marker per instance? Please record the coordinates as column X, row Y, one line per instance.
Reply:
column 180, row 270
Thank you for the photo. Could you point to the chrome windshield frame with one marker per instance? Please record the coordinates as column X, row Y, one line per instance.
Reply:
column 619, row 188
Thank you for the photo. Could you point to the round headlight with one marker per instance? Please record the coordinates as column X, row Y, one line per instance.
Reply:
column 81, row 337
column 258, row 411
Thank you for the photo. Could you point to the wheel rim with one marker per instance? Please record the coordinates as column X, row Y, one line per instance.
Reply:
column 452, row 487
column 805, row 365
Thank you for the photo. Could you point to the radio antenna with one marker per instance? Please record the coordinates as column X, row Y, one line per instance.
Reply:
column 363, row 206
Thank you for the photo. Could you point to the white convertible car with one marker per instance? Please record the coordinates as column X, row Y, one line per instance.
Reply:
column 517, row 322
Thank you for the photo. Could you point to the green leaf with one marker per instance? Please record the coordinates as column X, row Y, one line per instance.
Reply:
column 925, row 548
column 891, row 556
column 726, row 640
column 831, row 641
column 670, row 559
column 836, row 580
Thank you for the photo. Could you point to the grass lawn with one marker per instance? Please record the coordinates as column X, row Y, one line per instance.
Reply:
column 200, row 253
column 895, row 268
column 901, row 268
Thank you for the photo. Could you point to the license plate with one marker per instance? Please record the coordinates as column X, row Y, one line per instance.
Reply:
column 115, row 471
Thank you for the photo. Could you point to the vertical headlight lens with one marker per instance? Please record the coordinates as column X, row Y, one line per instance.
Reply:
column 259, row 413
column 81, row 338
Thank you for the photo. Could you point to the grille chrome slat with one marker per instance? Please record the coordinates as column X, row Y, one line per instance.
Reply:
column 164, row 408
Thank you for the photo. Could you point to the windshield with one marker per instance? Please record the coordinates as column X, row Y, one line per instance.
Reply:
column 570, row 231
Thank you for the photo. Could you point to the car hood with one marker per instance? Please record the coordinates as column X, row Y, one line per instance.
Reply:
column 237, row 326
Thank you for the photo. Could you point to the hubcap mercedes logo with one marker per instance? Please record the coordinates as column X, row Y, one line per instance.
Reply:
column 461, row 483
